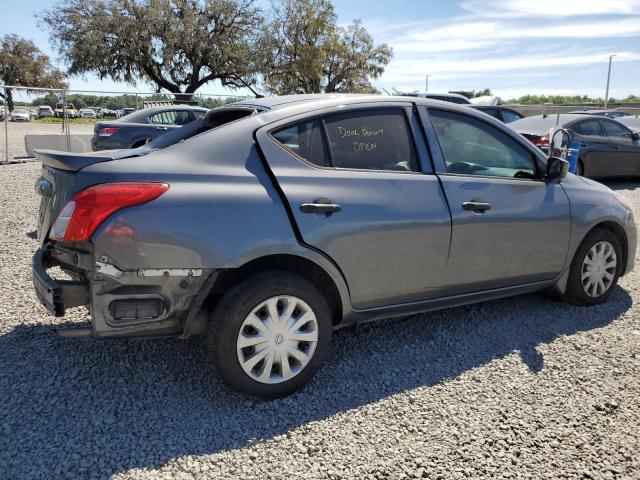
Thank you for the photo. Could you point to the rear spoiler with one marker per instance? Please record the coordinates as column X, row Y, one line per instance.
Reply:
column 75, row 161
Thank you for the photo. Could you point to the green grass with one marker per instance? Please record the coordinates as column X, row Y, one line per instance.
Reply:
column 72, row 121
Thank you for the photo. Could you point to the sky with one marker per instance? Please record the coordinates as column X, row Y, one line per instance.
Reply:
column 513, row 47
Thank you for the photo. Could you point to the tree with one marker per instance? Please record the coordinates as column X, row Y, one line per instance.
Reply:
column 22, row 63
column 307, row 52
column 482, row 93
column 176, row 45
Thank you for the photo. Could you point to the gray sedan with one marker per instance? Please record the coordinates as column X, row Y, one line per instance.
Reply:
column 142, row 126
column 298, row 215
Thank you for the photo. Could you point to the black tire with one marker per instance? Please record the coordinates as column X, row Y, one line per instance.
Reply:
column 140, row 143
column 230, row 313
column 580, row 168
column 575, row 293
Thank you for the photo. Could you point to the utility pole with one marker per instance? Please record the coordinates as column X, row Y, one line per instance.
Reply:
column 606, row 95
column 426, row 84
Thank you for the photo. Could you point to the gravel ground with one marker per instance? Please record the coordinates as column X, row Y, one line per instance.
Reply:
column 17, row 131
column 526, row 387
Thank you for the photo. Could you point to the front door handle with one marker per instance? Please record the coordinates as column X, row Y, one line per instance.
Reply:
column 477, row 207
column 320, row 207
column 162, row 128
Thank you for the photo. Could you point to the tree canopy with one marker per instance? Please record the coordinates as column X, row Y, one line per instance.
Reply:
column 307, row 52
column 176, row 45
column 569, row 100
column 22, row 63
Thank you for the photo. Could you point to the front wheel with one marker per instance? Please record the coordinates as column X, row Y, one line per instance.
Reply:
column 269, row 334
column 595, row 268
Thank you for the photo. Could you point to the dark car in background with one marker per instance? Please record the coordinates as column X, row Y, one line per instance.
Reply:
column 504, row 114
column 603, row 113
column 142, row 126
column 607, row 147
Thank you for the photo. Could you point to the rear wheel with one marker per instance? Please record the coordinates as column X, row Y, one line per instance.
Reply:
column 270, row 334
column 595, row 268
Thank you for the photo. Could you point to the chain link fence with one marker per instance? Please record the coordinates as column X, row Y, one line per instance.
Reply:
column 65, row 119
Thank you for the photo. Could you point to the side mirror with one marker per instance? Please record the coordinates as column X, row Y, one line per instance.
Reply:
column 557, row 169
column 560, row 144
column 635, row 136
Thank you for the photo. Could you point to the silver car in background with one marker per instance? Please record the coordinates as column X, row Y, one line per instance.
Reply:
column 281, row 219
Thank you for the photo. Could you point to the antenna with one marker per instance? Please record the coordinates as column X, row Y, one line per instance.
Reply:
column 249, row 87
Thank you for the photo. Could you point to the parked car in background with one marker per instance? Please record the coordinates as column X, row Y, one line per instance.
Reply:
column 607, row 147
column 45, row 111
column 20, row 115
column 107, row 113
column 87, row 113
column 142, row 126
column 603, row 113
column 504, row 114
column 314, row 212
column 445, row 97
column 124, row 111
column 71, row 110
column 2, row 114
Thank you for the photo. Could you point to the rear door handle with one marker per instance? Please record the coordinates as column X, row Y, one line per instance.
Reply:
column 477, row 207
column 320, row 207
column 162, row 128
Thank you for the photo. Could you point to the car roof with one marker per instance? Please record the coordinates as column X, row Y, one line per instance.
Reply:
column 540, row 124
column 306, row 102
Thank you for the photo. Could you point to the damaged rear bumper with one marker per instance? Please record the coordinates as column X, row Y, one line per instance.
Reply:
column 123, row 302
column 56, row 295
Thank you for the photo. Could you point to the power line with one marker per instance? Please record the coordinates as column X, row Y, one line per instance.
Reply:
column 553, row 77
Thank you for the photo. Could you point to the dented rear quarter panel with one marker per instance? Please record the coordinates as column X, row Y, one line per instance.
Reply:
column 221, row 211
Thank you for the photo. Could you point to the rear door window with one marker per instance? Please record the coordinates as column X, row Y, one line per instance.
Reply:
column 171, row 117
column 306, row 140
column 473, row 147
column 371, row 140
column 589, row 128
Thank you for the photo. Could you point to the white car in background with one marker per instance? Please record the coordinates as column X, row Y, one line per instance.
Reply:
column 87, row 113
column 45, row 111
column 20, row 115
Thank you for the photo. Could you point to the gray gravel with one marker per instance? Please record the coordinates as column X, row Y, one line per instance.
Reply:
column 526, row 387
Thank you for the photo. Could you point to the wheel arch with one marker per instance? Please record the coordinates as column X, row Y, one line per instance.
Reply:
column 561, row 285
column 298, row 265
column 620, row 234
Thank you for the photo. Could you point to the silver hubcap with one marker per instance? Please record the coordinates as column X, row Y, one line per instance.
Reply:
column 277, row 339
column 598, row 269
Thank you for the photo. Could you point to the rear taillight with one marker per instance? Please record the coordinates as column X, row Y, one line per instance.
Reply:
column 88, row 208
column 107, row 131
column 542, row 142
